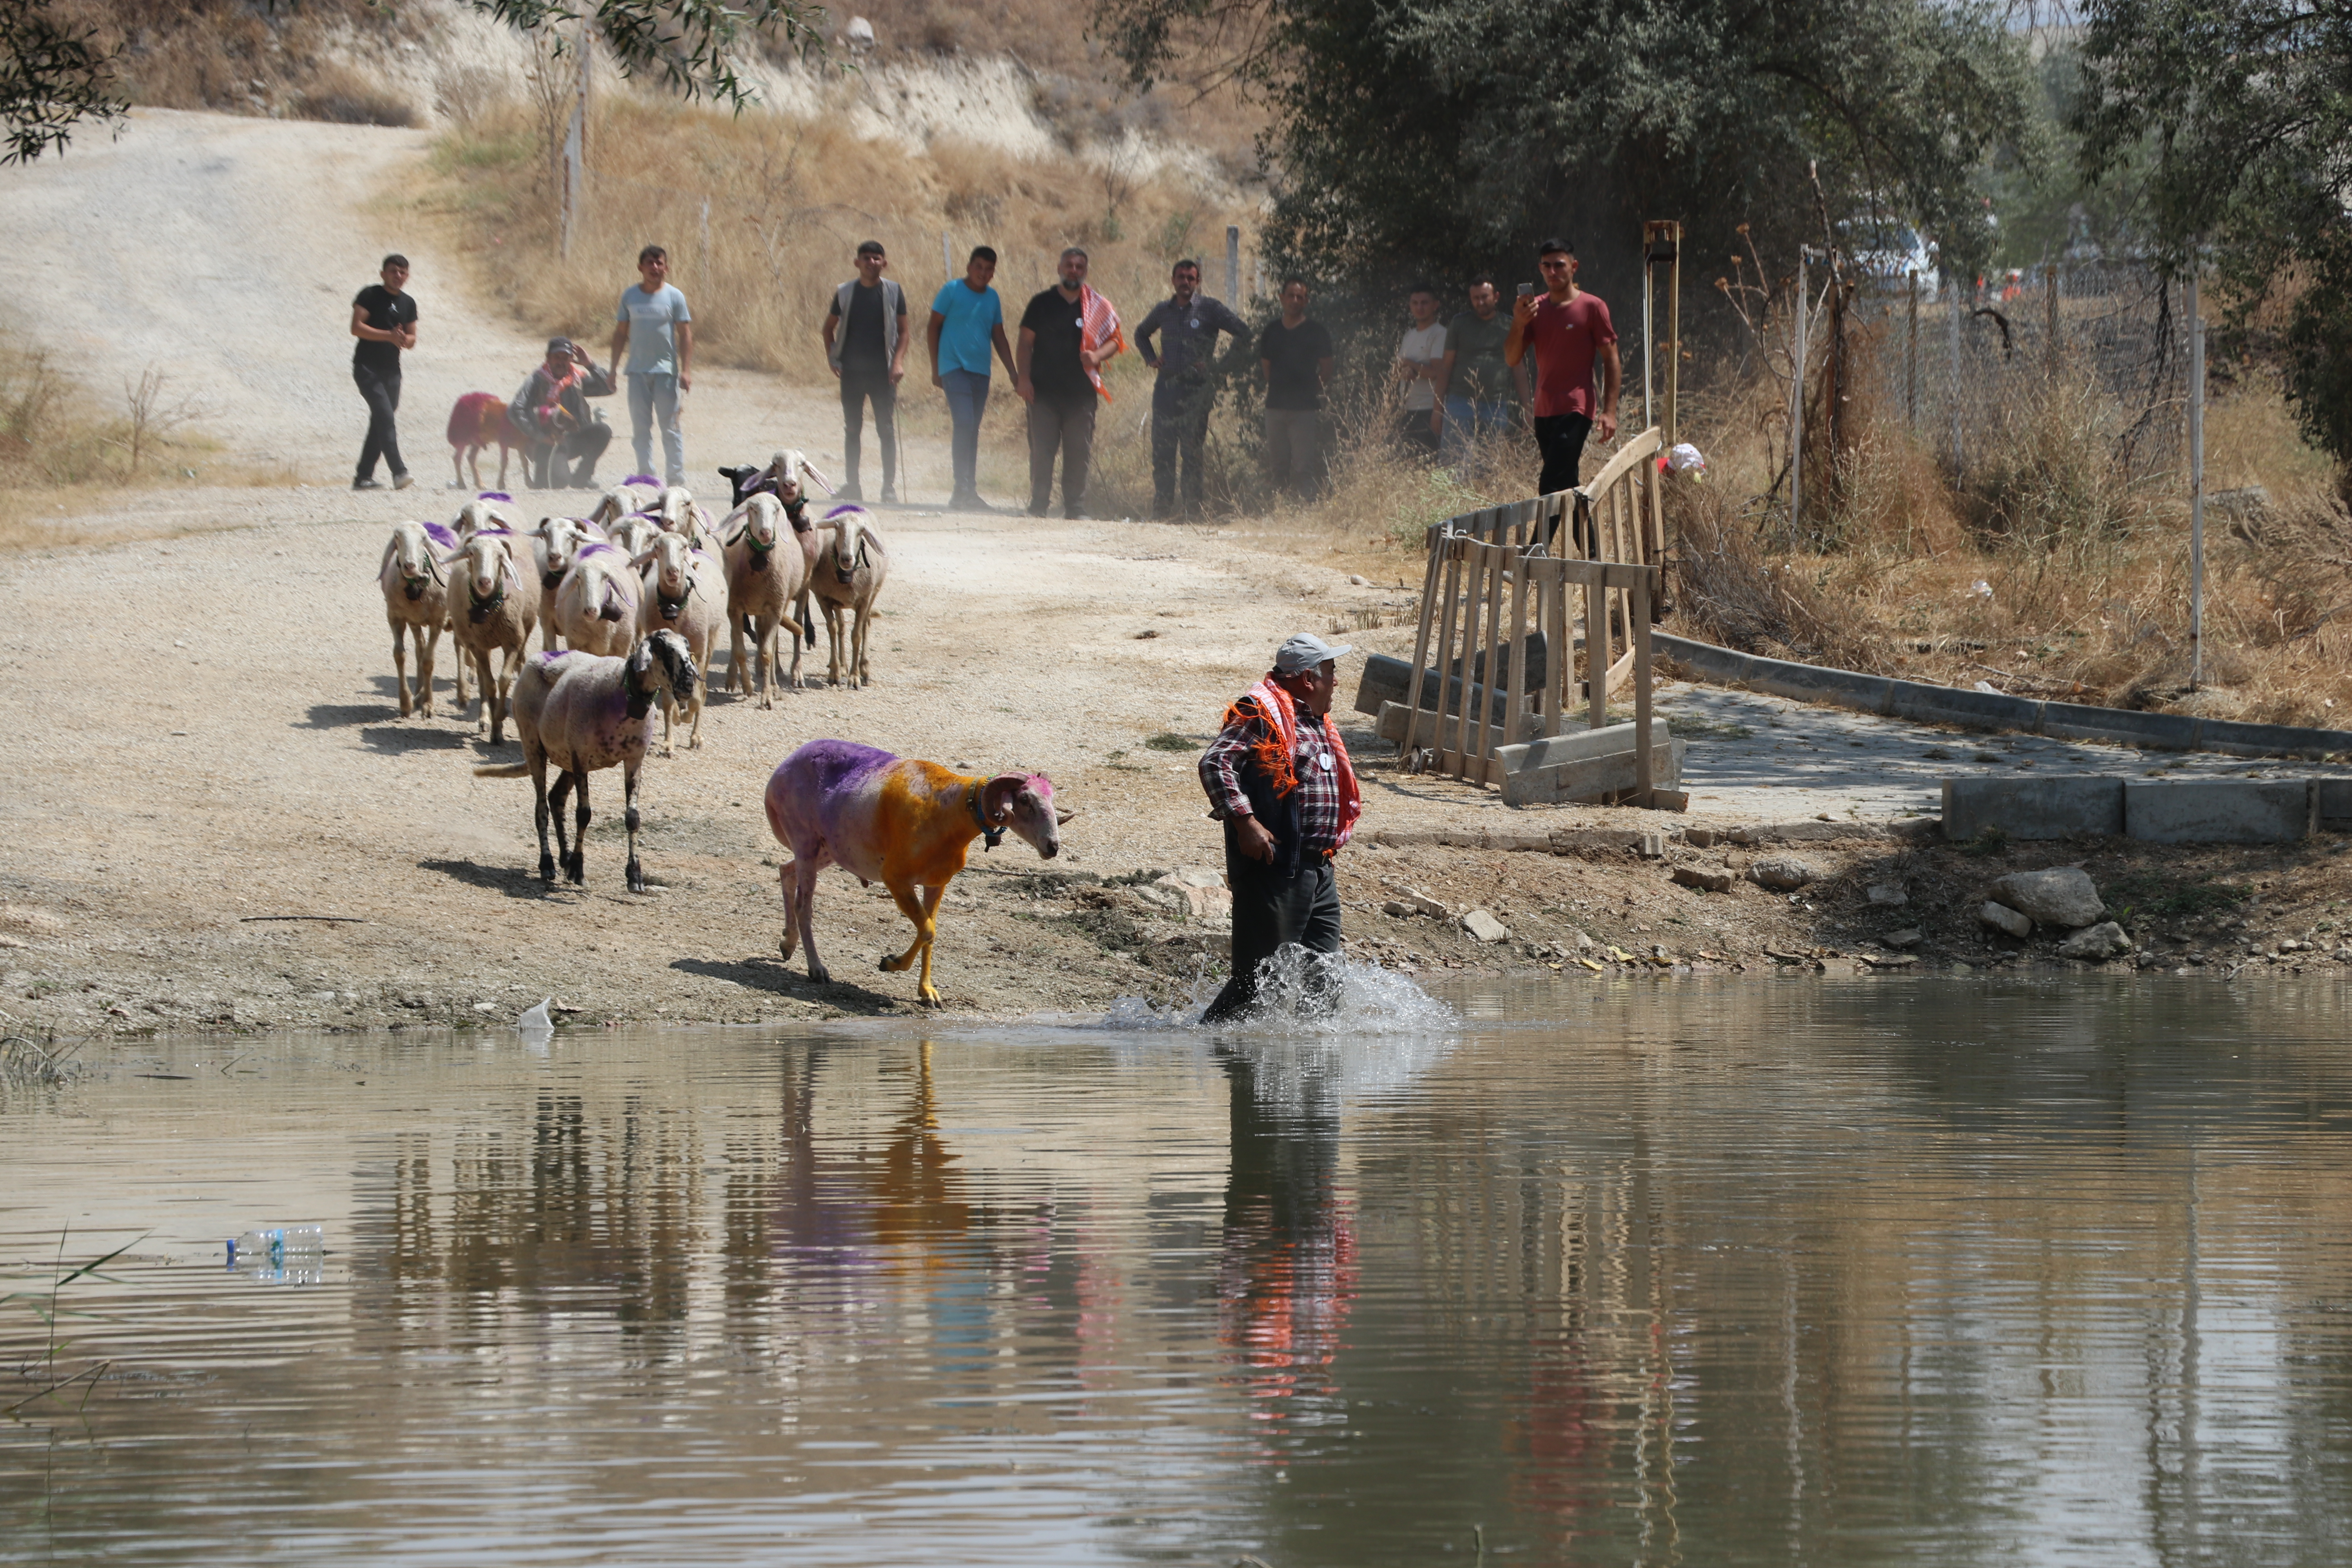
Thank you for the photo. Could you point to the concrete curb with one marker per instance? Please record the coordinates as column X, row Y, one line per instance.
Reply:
column 1991, row 710
column 1648, row 842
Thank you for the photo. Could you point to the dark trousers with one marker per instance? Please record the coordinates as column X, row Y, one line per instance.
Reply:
column 1180, row 429
column 1414, row 430
column 859, row 384
column 1272, row 912
column 1560, row 438
column 382, row 390
column 1068, row 428
column 569, row 463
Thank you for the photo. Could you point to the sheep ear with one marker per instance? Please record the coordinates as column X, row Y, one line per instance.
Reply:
column 640, row 563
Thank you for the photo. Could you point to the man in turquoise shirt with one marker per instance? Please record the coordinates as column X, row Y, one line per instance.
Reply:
column 966, row 319
column 655, row 330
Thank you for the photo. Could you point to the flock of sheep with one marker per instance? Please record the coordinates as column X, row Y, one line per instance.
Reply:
column 628, row 601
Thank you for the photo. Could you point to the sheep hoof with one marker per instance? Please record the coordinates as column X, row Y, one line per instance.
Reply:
column 547, row 869
column 930, row 997
column 819, row 976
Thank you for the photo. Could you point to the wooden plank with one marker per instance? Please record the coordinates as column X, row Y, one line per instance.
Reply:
column 1453, row 550
column 1515, row 674
column 1645, row 445
column 1421, row 638
column 1596, row 651
column 1553, row 597
column 1644, row 783
column 1474, row 573
column 1497, row 559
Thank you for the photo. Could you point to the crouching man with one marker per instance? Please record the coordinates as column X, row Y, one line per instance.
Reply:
column 1278, row 777
column 562, row 436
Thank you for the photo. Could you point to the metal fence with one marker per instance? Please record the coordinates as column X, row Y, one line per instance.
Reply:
column 1952, row 359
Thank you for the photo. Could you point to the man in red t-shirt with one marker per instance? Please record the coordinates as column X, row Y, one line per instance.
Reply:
column 1568, row 329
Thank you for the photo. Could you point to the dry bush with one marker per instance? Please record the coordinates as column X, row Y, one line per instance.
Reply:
column 342, row 96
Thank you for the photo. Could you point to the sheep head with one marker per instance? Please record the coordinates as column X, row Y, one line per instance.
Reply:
column 490, row 572
column 660, row 664
column 560, row 539
column 670, row 558
column 1025, row 802
column 844, row 521
column 760, row 514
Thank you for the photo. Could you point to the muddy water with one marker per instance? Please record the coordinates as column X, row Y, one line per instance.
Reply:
column 1790, row 1272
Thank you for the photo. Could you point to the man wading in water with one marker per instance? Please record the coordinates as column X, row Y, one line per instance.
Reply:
column 1280, row 778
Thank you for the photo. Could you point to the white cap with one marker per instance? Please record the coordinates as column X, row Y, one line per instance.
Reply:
column 1304, row 652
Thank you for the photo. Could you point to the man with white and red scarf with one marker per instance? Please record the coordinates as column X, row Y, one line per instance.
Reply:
column 1278, row 777
column 1067, row 334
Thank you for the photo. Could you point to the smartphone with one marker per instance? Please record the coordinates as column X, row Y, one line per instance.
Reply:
column 1525, row 289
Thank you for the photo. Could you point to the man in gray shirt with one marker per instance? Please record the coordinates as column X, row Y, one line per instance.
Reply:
column 655, row 330
column 1189, row 321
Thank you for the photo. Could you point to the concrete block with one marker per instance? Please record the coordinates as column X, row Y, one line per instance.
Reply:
column 1405, row 837
column 1720, row 664
column 2270, row 739
column 2219, row 811
column 1970, row 709
column 1702, row 838
column 1445, row 732
column 1522, row 842
column 1593, row 777
column 1571, row 840
column 1387, row 680
column 1481, row 926
column 2001, row 917
column 2149, row 731
column 1705, row 878
column 2335, row 804
column 2048, row 805
column 1814, row 683
column 1573, row 746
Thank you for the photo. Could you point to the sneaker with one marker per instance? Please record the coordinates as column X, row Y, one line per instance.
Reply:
column 402, row 481
column 367, row 484
column 849, row 493
column 889, row 497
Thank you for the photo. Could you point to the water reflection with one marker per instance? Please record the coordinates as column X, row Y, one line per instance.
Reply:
column 1832, row 1275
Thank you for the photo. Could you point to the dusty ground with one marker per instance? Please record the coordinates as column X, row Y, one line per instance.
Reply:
column 205, row 739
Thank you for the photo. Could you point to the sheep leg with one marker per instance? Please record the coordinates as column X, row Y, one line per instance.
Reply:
column 701, row 688
column 629, row 818
column 577, row 867
column 923, row 912
column 832, row 650
column 805, row 895
column 462, row 656
column 428, row 643
column 793, row 682
column 553, row 811
column 764, row 635
column 735, row 654
column 542, row 813
column 858, row 651
column 488, row 688
column 785, row 878
column 510, row 662
column 400, row 663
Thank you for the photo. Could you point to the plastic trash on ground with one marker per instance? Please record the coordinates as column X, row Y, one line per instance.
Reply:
column 535, row 1020
column 1685, row 459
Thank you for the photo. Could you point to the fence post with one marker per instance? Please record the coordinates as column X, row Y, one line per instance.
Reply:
column 1638, row 615
column 2196, row 482
column 1911, row 375
column 1797, row 395
column 1959, row 457
column 1232, row 266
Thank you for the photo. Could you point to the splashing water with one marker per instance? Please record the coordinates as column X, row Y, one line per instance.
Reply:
column 1300, row 991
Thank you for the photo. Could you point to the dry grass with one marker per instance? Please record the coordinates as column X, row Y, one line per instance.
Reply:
column 65, row 448
column 245, row 58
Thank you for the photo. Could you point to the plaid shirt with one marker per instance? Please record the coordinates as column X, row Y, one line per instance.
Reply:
column 1318, row 777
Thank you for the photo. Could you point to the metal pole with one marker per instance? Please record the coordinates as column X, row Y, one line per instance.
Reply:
column 1649, row 277
column 1233, row 263
column 1952, row 286
column 1797, row 395
column 1673, row 332
column 2196, row 484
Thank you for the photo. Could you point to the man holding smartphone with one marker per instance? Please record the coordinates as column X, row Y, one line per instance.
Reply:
column 1568, row 329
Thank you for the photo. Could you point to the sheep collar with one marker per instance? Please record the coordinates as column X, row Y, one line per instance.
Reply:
column 672, row 608
column 483, row 609
column 993, row 835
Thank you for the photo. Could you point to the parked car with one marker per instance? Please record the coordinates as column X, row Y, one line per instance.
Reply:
column 1888, row 253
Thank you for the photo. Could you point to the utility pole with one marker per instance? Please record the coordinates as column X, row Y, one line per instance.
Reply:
column 1911, row 360
column 572, row 191
column 1662, row 245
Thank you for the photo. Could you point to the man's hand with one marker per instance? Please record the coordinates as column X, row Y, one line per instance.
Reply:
column 686, row 381
column 834, row 368
column 1436, row 422
column 1255, row 841
column 1607, row 426
column 1150, row 362
column 897, row 373
column 1523, row 309
column 1027, row 389
column 939, row 381
column 1091, row 360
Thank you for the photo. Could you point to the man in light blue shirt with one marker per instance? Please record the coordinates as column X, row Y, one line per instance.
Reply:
column 966, row 319
column 652, row 343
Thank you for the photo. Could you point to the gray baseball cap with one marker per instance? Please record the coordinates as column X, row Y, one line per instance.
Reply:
column 1304, row 652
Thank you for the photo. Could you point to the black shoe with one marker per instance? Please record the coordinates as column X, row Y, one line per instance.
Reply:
column 367, row 484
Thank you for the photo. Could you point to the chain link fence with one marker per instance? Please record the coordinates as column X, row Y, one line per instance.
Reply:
column 1950, row 360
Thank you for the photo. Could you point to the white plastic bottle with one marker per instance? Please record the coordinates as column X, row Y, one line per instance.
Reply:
column 286, row 1246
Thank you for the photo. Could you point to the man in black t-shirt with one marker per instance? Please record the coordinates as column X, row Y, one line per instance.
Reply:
column 384, row 321
column 1295, row 356
column 1052, row 368
column 865, row 341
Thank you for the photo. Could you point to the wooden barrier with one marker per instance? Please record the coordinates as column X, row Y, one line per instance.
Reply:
column 1490, row 572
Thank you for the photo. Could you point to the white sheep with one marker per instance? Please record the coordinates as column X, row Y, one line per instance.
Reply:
column 491, row 509
column 766, row 570
column 846, row 576
column 416, row 603
column 677, row 511
column 595, row 605
column 554, row 544
column 493, row 605
column 686, row 593
column 584, row 712
column 630, row 497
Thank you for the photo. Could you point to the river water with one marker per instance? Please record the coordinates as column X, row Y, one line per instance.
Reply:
column 1817, row 1272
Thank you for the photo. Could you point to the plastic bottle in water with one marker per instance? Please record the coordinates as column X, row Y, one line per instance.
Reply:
column 291, row 1246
